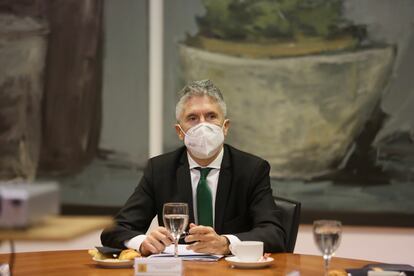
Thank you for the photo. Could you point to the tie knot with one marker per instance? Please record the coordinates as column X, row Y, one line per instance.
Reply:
column 204, row 172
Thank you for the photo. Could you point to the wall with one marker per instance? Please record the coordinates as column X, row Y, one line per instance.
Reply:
column 179, row 21
column 392, row 245
column 125, row 80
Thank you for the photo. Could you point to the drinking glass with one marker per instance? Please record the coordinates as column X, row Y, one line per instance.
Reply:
column 327, row 236
column 175, row 216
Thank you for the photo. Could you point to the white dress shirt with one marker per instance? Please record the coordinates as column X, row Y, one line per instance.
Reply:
column 212, row 182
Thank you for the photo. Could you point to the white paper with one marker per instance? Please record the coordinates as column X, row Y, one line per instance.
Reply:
column 182, row 250
column 385, row 273
column 186, row 254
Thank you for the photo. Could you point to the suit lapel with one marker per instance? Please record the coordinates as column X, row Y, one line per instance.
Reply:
column 184, row 185
column 223, row 189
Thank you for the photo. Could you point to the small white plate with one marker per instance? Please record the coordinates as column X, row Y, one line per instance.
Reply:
column 234, row 261
column 114, row 263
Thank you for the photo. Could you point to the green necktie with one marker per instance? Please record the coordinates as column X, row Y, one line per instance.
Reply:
column 204, row 199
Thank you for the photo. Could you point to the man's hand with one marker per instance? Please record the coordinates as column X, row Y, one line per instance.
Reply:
column 156, row 241
column 207, row 240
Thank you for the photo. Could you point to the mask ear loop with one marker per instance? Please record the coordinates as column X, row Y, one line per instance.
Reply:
column 185, row 134
column 222, row 127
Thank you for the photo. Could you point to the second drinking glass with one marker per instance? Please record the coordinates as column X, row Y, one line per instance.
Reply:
column 327, row 236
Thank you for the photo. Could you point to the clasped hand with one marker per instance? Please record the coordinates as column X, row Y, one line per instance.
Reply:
column 204, row 240
column 156, row 241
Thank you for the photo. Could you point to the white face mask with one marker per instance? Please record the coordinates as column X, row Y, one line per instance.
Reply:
column 203, row 140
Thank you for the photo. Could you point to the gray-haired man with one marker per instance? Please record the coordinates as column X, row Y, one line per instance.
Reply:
column 240, row 205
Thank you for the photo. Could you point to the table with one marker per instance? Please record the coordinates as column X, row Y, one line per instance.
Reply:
column 57, row 228
column 78, row 262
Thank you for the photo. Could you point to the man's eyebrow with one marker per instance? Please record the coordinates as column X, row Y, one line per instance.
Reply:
column 190, row 114
column 212, row 113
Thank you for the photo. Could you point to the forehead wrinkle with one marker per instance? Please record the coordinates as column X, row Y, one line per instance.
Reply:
column 196, row 105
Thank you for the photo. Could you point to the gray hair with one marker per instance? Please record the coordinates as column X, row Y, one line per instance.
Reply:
column 200, row 88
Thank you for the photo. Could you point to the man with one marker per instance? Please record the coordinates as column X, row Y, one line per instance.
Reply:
column 228, row 191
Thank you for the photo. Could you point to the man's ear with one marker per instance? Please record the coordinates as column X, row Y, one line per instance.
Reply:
column 179, row 132
column 226, row 126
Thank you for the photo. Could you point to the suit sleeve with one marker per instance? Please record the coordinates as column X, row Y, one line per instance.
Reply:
column 136, row 215
column 266, row 218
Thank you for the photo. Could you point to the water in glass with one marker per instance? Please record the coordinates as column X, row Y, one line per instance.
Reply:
column 176, row 224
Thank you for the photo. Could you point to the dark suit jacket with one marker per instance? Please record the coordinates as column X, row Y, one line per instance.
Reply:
column 244, row 202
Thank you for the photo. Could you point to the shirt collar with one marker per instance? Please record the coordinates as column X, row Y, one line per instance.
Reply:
column 215, row 164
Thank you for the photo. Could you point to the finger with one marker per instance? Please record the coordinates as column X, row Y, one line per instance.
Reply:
column 191, row 238
column 162, row 234
column 155, row 243
column 210, row 237
column 161, row 230
column 195, row 229
column 165, row 231
column 204, row 250
column 203, row 237
column 161, row 238
column 147, row 246
column 192, row 225
column 191, row 246
column 197, row 237
column 200, row 229
column 200, row 247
